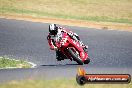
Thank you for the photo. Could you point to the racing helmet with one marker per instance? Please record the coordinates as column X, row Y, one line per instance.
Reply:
column 53, row 29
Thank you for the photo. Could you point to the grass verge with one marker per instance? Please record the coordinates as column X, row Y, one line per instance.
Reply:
column 64, row 16
column 117, row 11
column 11, row 63
column 59, row 83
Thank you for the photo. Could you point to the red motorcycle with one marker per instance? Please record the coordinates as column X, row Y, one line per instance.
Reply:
column 72, row 49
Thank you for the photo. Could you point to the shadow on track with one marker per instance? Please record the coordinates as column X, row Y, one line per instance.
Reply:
column 61, row 65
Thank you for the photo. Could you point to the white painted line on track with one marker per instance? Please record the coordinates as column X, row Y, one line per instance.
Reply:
column 33, row 64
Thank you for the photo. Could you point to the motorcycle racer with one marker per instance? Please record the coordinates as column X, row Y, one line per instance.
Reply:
column 55, row 32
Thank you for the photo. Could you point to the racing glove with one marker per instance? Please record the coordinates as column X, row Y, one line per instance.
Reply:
column 55, row 48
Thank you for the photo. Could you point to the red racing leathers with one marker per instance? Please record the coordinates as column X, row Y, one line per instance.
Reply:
column 52, row 39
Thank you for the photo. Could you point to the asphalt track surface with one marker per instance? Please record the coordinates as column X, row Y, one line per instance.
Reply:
column 110, row 51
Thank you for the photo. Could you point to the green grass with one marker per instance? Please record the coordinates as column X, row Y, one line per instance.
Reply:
column 59, row 83
column 118, row 11
column 9, row 63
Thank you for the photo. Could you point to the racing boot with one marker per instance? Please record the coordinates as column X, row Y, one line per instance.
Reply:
column 59, row 56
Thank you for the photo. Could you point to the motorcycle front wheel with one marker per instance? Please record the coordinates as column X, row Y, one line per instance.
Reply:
column 75, row 56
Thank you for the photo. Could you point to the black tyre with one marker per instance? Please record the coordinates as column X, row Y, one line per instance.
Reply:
column 75, row 56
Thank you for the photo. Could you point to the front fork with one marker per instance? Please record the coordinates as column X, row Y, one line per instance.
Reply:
column 76, row 52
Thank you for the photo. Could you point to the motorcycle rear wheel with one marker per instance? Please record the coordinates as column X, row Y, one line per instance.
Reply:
column 75, row 57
